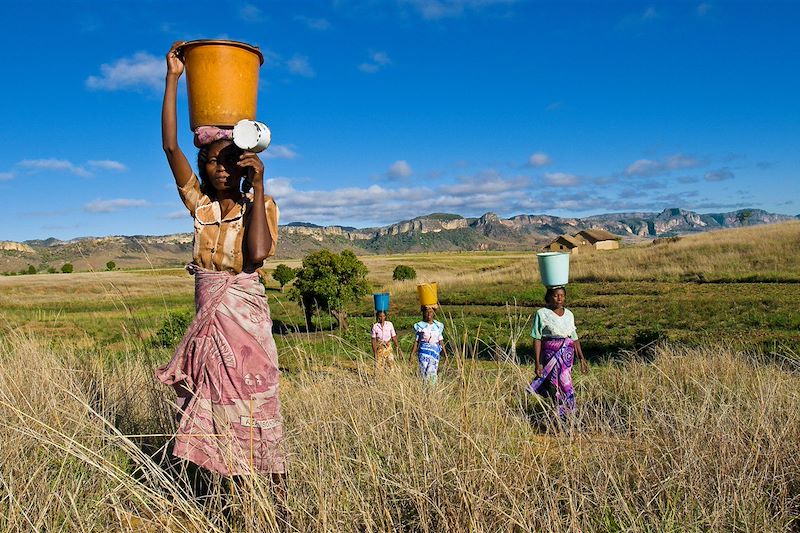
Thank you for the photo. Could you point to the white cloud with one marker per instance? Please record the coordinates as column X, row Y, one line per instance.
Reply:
column 142, row 70
column 377, row 60
column 280, row 151
column 107, row 164
column 479, row 185
column 649, row 168
column 300, row 65
column 399, row 170
column 6, row 176
column 319, row 24
column 539, row 159
column 473, row 195
column 439, row 9
column 52, row 164
column 561, row 179
column 110, row 206
column 721, row 174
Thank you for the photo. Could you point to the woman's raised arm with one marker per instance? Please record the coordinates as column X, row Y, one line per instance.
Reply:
column 178, row 163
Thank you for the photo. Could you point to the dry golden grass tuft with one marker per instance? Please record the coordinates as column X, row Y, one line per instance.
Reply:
column 693, row 440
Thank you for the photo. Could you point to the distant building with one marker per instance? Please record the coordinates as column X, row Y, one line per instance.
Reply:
column 564, row 243
column 599, row 239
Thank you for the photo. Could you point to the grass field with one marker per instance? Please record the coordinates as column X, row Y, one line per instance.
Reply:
column 689, row 418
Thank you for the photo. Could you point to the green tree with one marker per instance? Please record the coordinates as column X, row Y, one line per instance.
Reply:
column 67, row 268
column 403, row 272
column 329, row 282
column 51, row 270
column 31, row 270
column 283, row 274
column 111, row 265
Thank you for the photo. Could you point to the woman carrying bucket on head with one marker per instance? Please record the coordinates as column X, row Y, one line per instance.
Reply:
column 383, row 335
column 429, row 340
column 555, row 337
column 225, row 370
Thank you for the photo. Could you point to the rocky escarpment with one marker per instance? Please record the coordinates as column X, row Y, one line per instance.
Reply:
column 437, row 231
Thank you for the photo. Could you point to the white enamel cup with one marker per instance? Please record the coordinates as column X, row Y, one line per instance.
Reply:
column 251, row 135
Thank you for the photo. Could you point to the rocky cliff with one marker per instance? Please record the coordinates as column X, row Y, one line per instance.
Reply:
column 434, row 232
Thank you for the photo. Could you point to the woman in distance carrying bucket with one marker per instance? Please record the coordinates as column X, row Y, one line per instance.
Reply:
column 555, row 344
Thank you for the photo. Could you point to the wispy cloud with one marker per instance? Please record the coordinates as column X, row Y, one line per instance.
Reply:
column 649, row 168
column 318, row 24
column 6, row 176
column 650, row 13
column 561, row 179
column 251, row 13
column 107, row 164
column 539, row 159
column 178, row 214
column 703, row 8
column 36, row 165
column 376, row 62
column 554, row 106
column 140, row 71
column 280, row 151
column 721, row 174
column 440, row 9
column 399, row 170
column 117, row 204
column 300, row 65
column 640, row 19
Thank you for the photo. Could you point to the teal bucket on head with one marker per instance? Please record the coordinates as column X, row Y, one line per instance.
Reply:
column 553, row 268
column 381, row 301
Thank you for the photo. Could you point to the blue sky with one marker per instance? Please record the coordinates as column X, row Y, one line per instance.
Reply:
column 385, row 110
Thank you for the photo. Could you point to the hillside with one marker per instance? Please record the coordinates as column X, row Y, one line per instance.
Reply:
column 433, row 232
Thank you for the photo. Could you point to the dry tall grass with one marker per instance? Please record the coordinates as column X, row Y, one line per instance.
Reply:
column 694, row 440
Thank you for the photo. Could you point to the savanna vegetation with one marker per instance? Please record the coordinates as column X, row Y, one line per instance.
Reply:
column 688, row 420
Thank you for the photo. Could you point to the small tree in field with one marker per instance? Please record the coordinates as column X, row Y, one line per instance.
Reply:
column 31, row 269
column 111, row 265
column 329, row 282
column 67, row 268
column 403, row 272
column 283, row 274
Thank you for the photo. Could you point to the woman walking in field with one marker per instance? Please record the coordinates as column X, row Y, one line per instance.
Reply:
column 555, row 344
column 225, row 370
column 383, row 336
column 428, row 344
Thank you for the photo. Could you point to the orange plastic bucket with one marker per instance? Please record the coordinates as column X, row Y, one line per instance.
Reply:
column 427, row 293
column 222, row 81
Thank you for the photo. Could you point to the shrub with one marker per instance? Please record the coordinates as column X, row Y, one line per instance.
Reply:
column 403, row 272
column 329, row 282
column 67, row 268
column 111, row 265
column 173, row 328
column 283, row 274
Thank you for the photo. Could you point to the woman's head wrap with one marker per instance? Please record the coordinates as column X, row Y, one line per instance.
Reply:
column 205, row 135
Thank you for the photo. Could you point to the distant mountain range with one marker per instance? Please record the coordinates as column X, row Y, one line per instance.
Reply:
column 434, row 232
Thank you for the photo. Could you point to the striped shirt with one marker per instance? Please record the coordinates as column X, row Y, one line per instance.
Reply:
column 218, row 241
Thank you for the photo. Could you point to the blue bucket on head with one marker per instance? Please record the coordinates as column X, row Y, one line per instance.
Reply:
column 381, row 301
column 553, row 268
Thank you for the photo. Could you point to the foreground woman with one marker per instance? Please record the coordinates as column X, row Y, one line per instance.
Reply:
column 555, row 344
column 225, row 370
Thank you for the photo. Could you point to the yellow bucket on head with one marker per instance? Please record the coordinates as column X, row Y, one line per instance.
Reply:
column 222, row 81
column 427, row 294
